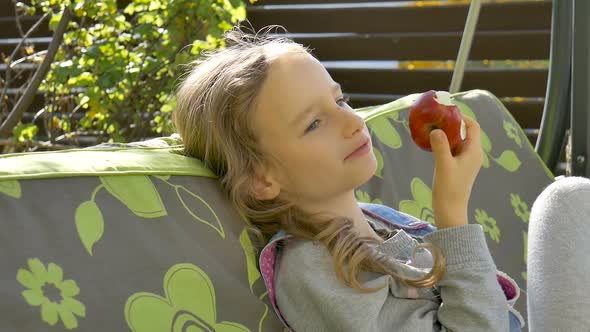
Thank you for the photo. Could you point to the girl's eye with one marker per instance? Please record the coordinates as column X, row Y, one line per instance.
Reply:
column 344, row 99
column 312, row 126
column 315, row 123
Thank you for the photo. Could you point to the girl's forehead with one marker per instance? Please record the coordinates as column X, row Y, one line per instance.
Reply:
column 275, row 51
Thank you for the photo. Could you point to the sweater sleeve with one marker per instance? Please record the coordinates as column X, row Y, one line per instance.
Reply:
column 311, row 298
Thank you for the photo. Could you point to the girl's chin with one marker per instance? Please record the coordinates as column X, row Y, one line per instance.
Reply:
column 371, row 171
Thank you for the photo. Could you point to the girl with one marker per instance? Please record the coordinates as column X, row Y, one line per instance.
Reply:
column 266, row 116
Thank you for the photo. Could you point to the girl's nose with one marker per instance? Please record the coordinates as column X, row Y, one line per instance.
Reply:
column 353, row 123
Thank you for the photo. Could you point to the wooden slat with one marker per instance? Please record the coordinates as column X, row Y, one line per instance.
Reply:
column 501, row 82
column 20, row 75
column 8, row 28
column 527, row 113
column 299, row 2
column 532, row 44
column 390, row 18
column 7, row 45
column 6, row 8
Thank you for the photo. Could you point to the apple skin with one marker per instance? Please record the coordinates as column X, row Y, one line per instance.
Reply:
column 427, row 114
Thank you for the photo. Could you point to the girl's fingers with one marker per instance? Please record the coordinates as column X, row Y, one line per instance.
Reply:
column 440, row 147
column 472, row 141
column 472, row 129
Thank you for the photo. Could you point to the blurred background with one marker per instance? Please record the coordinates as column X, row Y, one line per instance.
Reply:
column 115, row 63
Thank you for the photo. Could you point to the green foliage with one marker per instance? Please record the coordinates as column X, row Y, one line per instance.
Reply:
column 121, row 61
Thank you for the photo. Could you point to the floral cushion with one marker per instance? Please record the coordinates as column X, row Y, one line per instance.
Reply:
column 138, row 237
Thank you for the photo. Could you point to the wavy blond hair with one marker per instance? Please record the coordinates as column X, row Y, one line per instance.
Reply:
column 213, row 115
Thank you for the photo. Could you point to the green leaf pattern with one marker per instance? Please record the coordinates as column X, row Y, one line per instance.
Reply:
column 364, row 197
column 188, row 304
column 379, row 157
column 191, row 201
column 253, row 273
column 11, row 188
column 89, row 224
column 421, row 206
column 138, row 193
column 512, row 133
column 507, row 159
column 385, row 132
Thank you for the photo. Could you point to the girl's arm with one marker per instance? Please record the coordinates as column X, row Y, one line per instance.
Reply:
column 312, row 299
column 472, row 299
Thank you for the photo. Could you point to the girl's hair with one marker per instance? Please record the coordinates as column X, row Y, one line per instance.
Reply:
column 213, row 115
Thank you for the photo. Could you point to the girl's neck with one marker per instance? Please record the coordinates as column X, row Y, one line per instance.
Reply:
column 345, row 206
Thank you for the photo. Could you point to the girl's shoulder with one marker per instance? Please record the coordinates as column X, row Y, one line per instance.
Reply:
column 303, row 253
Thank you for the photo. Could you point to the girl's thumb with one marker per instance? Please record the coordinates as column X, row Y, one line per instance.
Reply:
column 440, row 145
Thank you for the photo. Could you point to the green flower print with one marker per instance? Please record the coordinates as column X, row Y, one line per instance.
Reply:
column 188, row 305
column 521, row 209
column 46, row 288
column 421, row 206
column 512, row 132
column 488, row 223
column 363, row 196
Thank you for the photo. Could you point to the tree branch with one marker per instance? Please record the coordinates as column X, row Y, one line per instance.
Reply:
column 13, row 54
column 27, row 98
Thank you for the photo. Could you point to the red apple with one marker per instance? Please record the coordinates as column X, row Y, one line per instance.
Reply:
column 435, row 110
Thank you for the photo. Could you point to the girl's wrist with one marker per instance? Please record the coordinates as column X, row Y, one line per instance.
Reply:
column 451, row 218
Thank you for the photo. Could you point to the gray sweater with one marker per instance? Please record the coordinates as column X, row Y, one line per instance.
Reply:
column 467, row 298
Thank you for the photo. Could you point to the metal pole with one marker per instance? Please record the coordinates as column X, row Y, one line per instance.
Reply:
column 580, row 118
column 468, row 32
column 557, row 96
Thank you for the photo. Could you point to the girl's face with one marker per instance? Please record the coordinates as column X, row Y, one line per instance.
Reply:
column 323, row 148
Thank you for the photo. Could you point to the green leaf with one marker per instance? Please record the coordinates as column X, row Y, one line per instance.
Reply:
column 25, row 131
column 486, row 143
column 463, row 108
column 509, row 160
column 412, row 208
column 138, row 193
column 250, row 253
column 385, row 132
column 421, row 192
column 55, row 18
column 89, row 224
column 10, row 188
column 486, row 161
column 379, row 157
column 199, row 209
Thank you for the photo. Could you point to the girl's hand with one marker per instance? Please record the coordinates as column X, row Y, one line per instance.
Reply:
column 454, row 175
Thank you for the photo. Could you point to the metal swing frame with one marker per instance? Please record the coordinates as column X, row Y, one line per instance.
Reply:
column 567, row 97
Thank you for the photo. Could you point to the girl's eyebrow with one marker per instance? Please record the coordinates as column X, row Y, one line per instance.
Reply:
column 299, row 117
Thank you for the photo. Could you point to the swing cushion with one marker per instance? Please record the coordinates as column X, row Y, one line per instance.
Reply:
column 138, row 237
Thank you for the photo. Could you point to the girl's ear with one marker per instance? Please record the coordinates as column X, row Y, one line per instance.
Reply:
column 264, row 186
